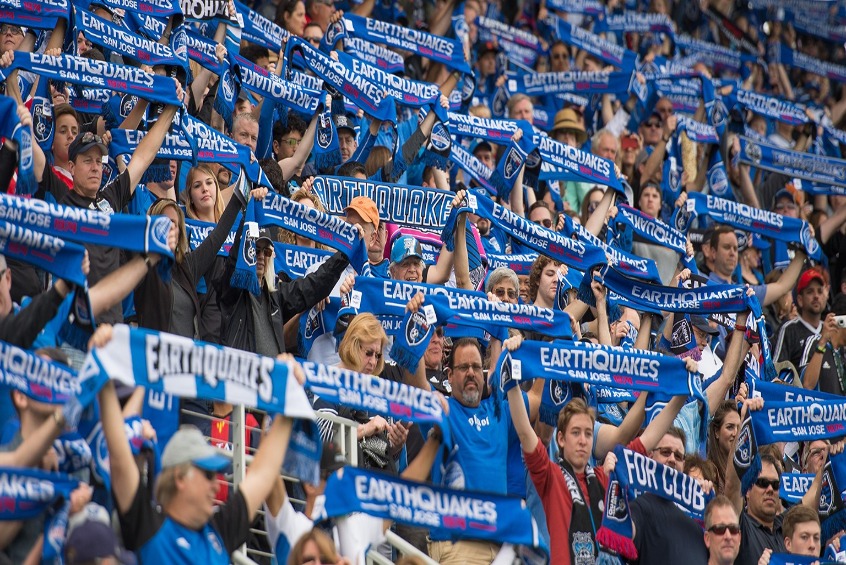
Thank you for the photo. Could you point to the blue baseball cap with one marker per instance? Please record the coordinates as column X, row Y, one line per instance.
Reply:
column 404, row 247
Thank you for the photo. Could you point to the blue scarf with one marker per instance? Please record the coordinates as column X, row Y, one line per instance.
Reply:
column 198, row 231
column 327, row 151
column 132, row 233
column 156, row 8
column 193, row 369
column 763, row 222
column 45, row 252
column 816, row 168
column 43, row 122
column 228, row 90
column 575, row 254
column 521, row 45
column 780, row 53
column 11, row 128
column 174, row 146
column 704, row 300
column 244, row 276
column 636, row 474
column 295, row 261
column 38, row 14
column 40, row 379
column 791, row 559
column 769, row 106
column 382, row 57
column 474, row 515
column 520, row 264
column 318, row 226
column 540, row 84
column 202, row 50
column 302, row 460
column 340, row 75
column 259, row 80
column 570, row 163
column 118, row 39
column 799, row 421
column 581, row 362
column 402, row 204
column 697, row 132
column 439, row 49
column 88, row 72
column 794, row 486
column 587, row 7
column 406, row 92
column 261, row 31
column 610, row 53
column 635, row 22
column 99, row 450
column 477, row 170
column 713, row 55
column 653, row 230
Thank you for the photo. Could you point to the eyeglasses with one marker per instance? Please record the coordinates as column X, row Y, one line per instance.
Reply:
column 546, row 223
column 266, row 251
column 763, row 483
column 653, row 125
column 313, row 39
column 668, row 452
column 786, row 206
column 373, row 353
column 291, row 141
column 721, row 529
column 467, row 367
column 7, row 29
column 502, row 292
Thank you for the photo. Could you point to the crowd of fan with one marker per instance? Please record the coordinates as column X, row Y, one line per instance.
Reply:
column 562, row 471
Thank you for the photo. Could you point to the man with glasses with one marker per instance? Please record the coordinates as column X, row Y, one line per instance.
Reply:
column 286, row 138
column 651, row 131
column 540, row 214
column 722, row 531
column 319, row 13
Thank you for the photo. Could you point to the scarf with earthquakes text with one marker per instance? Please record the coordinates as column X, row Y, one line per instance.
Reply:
column 762, row 222
column 119, row 40
column 521, row 46
column 321, row 227
column 463, row 514
column 404, row 205
column 588, row 363
column 261, row 31
column 378, row 55
column 780, row 53
column 651, row 229
column 521, row 264
column 438, row 49
column 295, row 261
column 28, row 493
column 571, row 163
column 807, row 166
column 587, row 83
column 187, row 368
column 11, row 128
column 636, row 474
column 716, row 56
column 38, row 14
column 341, row 76
column 575, row 254
column 98, row 74
column 258, row 80
column 132, row 233
column 586, row 7
column 769, row 106
column 635, row 22
column 799, row 421
column 477, row 170
column 40, row 379
column 597, row 46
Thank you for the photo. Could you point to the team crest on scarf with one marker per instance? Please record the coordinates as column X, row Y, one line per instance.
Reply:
column 743, row 454
column 312, row 323
column 753, row 152
column 826, row 503
column 324, row 132
column 127, row 103
column 675, row 177
column 227, row 84
column 682, row 336
column 440, row 137
column 506, row 376
column 559, row 392
column 512, row 163
column 718, row 181
column 179, row 43
column 26, row 149
column 42, row 119
column 500, row 99
column 160, row 232
column 615, row 503
column 334, row 31
column 416, row 329
column 583, row 548
column 468, row 88
column 808, row 241
column 719, row 114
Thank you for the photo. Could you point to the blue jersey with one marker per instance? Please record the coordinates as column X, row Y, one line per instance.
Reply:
column 157, row 539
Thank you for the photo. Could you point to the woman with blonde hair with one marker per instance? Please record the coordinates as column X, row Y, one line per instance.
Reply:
column 315, row 547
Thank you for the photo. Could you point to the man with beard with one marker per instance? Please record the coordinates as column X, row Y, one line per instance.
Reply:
column 811, row 298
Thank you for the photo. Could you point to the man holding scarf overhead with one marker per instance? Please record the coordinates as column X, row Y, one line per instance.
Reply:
column 87, row 154
column 187, row 528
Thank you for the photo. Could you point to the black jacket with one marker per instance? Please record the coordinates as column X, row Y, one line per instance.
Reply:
column 289, row 299
column 154, row 297
column 22, row 329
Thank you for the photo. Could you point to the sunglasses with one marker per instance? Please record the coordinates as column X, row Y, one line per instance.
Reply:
column 266, row 251
column 209, row 475
column 764, row 483
column 669, row 452
column 373, row 353
column 313, row 39
column 501, row 293
column 720, row 529
column 653, row 125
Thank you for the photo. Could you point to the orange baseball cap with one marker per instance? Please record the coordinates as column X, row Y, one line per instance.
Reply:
column 366, row 208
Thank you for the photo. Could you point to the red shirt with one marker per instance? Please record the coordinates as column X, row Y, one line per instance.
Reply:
column 221, row 439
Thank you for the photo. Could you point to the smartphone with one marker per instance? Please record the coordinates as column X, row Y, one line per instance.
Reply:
column 841, row 321
column 628, row 142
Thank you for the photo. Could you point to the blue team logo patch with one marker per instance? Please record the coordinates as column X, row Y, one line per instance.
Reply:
column 324, row 132
column 682, row 335
column 743, row 452
column 533, row 160
column 334, row 31
column 742, row 238
column 227, row 85
column 440, row 138
column 719, row 114
column 499, row 102
column 248, row 254
column 582, row 547
column 615, row 503
column 127, row 103
column 826, row 503
column 718, row 181
column 468, row 88
column 505, row 375
column 559, row 392
column 808, row 241
column 312, row 323
column 753, row 151
column 416, row 329
column 161, row 228
column 26, row 149
column 179, row 43
column 42, row 120
column 513, row 162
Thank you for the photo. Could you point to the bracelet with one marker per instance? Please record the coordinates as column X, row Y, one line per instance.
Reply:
column 821, row 349
column 741, row 327
column 148, row 260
